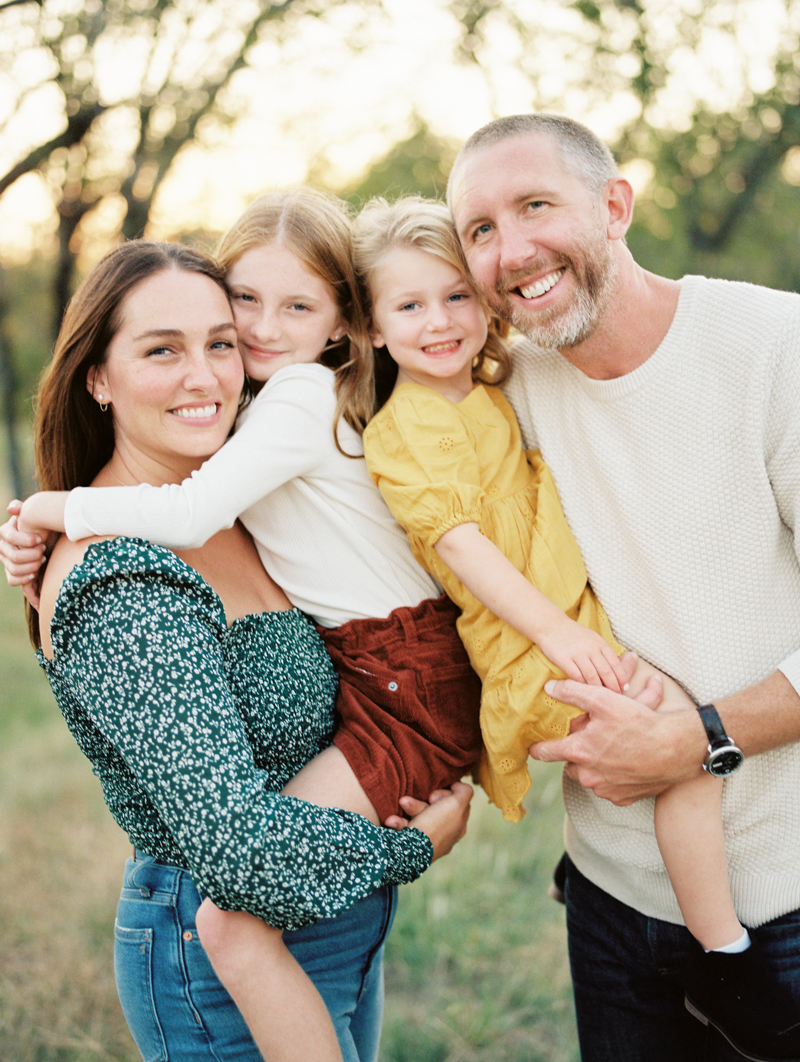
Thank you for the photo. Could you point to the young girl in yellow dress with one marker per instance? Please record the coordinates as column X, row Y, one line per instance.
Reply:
column 484, row 518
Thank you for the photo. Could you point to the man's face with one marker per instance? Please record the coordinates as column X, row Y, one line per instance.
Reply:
column 535, row 239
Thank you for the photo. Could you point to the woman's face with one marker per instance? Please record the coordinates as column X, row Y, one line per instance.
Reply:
column 285, row 313
column 172, row 374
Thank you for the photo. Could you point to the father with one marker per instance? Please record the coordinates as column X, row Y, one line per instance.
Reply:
column 670, row 415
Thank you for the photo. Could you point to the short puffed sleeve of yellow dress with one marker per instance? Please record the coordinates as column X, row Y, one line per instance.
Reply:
column 425, row 465
column 438, row 464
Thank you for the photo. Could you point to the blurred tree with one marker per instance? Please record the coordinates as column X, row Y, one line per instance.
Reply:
column 708, row 95
column 418, row 165
column 129, row 82
column 121, row 131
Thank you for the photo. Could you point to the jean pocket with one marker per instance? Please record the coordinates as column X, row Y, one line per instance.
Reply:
column 133, row 969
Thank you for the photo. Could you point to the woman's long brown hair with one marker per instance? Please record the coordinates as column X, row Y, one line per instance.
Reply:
column 73, row 437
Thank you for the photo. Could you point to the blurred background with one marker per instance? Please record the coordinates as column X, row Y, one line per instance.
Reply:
column 163, row 119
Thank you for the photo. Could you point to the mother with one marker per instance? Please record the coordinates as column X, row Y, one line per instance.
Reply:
column 193, row 686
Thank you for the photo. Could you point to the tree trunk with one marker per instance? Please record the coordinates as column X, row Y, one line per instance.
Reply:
column 70, row 214
column 8, row 388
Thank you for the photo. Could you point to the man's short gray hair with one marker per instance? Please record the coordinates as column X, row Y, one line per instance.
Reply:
column 585, row 154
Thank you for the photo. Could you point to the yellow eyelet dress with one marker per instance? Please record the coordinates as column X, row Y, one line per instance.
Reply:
column 439, row 464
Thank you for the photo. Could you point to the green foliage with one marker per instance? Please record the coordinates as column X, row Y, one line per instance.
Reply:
column 763, row 249
column 418, row 165
column 476, row 962
column 27, row 704
column 28, row 290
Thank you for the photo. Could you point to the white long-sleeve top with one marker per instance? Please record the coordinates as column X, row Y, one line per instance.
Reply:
column 681, row 482
column 322, row 529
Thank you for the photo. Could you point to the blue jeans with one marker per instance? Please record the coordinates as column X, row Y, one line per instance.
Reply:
column 173, row 1002
column 627, row 975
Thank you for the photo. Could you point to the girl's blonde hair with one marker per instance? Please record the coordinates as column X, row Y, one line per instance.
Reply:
column 425, row 224
column 318, row 229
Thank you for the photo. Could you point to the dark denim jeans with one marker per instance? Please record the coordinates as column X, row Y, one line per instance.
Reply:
column 173, row 1002
column 627, row 974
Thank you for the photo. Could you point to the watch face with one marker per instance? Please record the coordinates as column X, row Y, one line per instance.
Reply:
column 724, row 762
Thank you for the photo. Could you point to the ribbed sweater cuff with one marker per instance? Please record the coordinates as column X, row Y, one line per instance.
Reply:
column 75, row 526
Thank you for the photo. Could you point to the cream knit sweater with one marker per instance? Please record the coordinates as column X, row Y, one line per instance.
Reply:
column 681, row 482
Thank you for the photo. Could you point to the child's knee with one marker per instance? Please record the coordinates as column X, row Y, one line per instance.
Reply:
column 211, row 925
column 228, row 937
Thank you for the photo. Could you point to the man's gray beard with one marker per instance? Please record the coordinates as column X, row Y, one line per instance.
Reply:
column 572, row 326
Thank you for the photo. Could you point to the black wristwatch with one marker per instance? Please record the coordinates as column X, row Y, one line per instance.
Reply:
column 724, row 755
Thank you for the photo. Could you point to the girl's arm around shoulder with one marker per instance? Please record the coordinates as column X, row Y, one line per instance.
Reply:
column 23, row 553
column 283, row 436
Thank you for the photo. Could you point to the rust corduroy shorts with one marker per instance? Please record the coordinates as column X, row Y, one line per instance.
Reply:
column 409, row 702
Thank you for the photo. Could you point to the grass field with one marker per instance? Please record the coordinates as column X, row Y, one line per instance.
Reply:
column 476, row 964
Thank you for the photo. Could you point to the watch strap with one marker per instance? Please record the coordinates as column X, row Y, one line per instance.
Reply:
column 715, row 731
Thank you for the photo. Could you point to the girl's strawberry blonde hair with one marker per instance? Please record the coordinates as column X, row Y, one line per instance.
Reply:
column 424, row 224
column 318, row 229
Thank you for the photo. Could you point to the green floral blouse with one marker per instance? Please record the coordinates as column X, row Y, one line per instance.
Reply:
column 192, row 727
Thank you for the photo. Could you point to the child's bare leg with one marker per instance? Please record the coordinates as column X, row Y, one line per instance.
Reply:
column 328, row 781
column 688, row 820
column 283, row 1010
column 688, row 823
column 674, row 695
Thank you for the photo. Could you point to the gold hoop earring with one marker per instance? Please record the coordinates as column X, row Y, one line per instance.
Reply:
column 103, row 408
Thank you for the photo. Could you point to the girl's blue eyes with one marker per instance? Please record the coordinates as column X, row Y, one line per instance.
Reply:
column 243, row 297
column 458, row 296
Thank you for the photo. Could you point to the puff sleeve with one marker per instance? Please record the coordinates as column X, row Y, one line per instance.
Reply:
column 144, row 680
column 421, row 456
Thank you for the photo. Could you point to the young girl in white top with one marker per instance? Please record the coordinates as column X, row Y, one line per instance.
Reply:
column 294, row 472
column 487, row 523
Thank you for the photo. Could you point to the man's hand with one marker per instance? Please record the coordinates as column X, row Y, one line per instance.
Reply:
column 622, row 749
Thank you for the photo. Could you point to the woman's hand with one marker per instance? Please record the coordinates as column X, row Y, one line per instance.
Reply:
column 444, row 819
column 22, row 554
